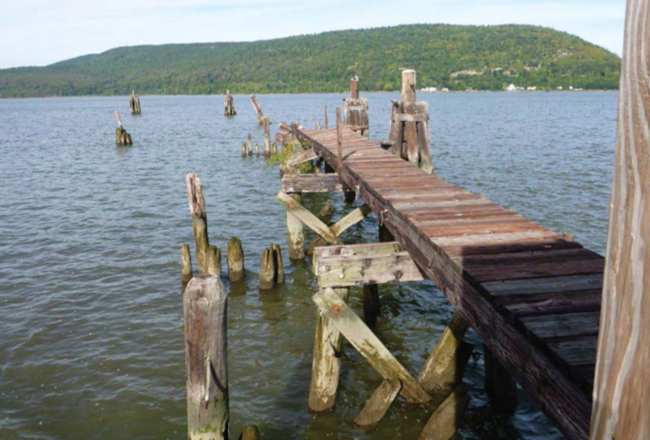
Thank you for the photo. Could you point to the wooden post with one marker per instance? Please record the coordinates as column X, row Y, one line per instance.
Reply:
column 235, row 260
column 622, row 382
column 445, row 420
column 274, row 148
column 257, row 150
column 278, row 277
column 500, row 386
column 205, row 310
column 122, row 138
column 213, row 261
column 339, row 143
column 249, row 142
column 186, row 266
column 250, row 433
column 199, row 219
column 408, row 86
column 325, row 118
column 410, row 129
column 267, row 270
column 229, row 104
column 326, row 362
column 354, row 88
column 267, row 138
column 134, row 103
column 243, row 150
column 258, row 110
column 295, row 233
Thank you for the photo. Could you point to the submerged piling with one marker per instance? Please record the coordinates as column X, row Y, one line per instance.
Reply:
column 122, row 138
column 235, row 260
column 267, row 270
column 186, row 266
column 134, row 103
column 229, row 104
column 199, row 219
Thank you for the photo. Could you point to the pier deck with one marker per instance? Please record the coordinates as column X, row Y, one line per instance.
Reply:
column 533, row 295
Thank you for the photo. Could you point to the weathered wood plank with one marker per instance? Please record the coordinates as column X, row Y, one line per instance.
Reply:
column 550, row 303
column 311, row 183
column 378, row 404
column 575, row 352
column 368, row 345
column 545, row 285
column 301, row 157
column 563, row 326
column 306, row 217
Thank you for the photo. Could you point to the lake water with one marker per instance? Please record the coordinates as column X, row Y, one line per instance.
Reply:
column 90, row 237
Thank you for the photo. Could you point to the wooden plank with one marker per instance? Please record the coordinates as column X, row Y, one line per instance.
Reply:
column 563, row 326
column 447, row 418
column 309, row 219
column 353, row 270
column 378, row 404
column 550, row 303
column 357, row 249
column 575, row 352
column 545, row 285
column 533, row 269
column 311, row 183
column 368, row 345
column 301, row 157
column 351, row 219
column 521, row 245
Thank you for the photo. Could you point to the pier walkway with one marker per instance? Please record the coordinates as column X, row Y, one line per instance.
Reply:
column 533, row 295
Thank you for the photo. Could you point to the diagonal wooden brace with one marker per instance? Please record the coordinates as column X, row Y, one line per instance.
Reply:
column 368, row 345
column 307, row 218
column 349, row 220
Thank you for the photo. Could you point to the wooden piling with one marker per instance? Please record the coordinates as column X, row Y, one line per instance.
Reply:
column 278, row 277
column 213, row 261
column 325, row 111
column 257, row 150
column 500, row 386
column 243, row 150
column 355, row 110
column 622, row 381
column 134, row 103
column 267, row 270
column 295, row 232
column 274, row 148
column 249, row 143
column 258, row 110
column 199, row 219
column 445, row 420
column 205, row 311
column 229, row 104
column 122, row 138
column 235, row 259
column 339, row 143
column 250, row 433
column 409, row 130
column 267, row 137
column 186, row 266
column 326, row 362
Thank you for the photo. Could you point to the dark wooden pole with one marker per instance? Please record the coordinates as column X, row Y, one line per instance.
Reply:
column 339, row 143
column 205, row 310
column 354, row 88
column 621, row 407
column 199, row 219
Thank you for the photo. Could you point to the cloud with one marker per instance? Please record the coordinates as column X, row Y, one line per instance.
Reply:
column 39, row 32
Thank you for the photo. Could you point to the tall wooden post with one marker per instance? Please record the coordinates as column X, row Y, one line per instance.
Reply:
column 204, row 311
column 621, row 407
column 355, row 110
column 122, row 138
column 409, row 130
column 325, row 117
column 339, row 145
column 258, row 110
column 229, row 104
column 134, row 103
column 235, row 260
column 267, row 138
column 199, row 219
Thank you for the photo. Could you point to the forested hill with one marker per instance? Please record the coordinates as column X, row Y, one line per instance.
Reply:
column 457, row 57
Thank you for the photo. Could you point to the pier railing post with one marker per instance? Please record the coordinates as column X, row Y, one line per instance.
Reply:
column 355, row 110
column 204, row 311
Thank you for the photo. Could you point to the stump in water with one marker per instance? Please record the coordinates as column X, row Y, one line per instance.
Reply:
column 274, row 148
column 122, row 138
column 267, row 137
column 243, row 150
column 235, row 260
column 257, row 150
column 250, row 433
column 229, row 104
column 186, row 266
column 260, row 116
column 267, row 270
column 134, row 103
column 249, row 142
column 278, row 277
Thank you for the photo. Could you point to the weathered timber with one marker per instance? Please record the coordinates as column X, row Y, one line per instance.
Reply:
column 134, row 103
column 249, row 143
column 274, row 148
column 339, row 143
column 278, row 273
column 243, row 150
column 229, row 104
column 122, row 138
column 371, row 304
column 257, row 150
column 357, row 249
column 353, row 270
column 325, row 111
column 267, row 137
column 368, row 345
column 235, row 260
column 542, row 376
column 500, row 386
column 326, row 363
column 250, row 433
column 355, row 110
column 258, row 110
column 446, row 420
column 311, row 183
column 622, row 382
column 324, row 212
column 301, row 213
column 443, row 371
column 378, row 404
column 205, row 305
column 199, row 219
column 186, row 266
column 301, row 157
column 295, row 231
column 213, row 261
column 267, row 270
column 349, row 220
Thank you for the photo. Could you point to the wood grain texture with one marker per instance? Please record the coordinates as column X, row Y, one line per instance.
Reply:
column 622, row 384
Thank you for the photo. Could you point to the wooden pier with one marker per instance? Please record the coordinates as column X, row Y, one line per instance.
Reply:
column 533, row 295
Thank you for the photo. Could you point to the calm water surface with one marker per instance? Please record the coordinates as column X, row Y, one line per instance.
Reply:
column 90, row 236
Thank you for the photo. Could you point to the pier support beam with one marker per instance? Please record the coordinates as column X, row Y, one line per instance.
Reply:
column 500, row 386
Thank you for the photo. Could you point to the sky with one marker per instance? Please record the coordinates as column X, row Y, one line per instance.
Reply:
column 41, row 32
